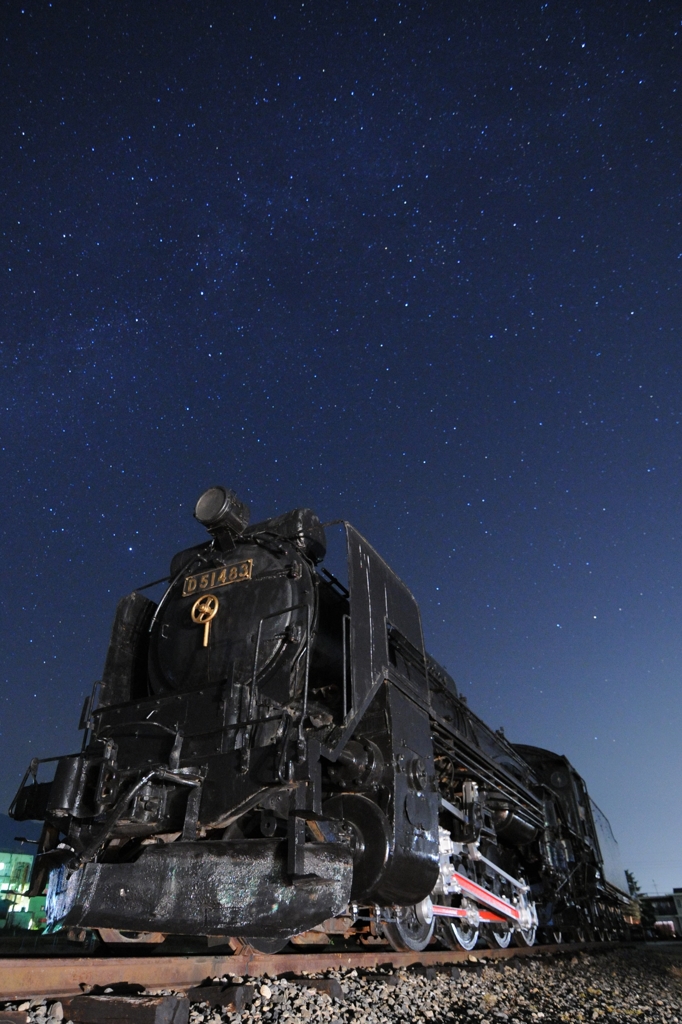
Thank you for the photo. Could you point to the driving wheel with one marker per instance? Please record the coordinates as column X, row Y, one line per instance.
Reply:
column 458, row 932
column 498, row 935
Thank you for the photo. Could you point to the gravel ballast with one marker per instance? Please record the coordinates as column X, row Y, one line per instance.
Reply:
column 617, row 986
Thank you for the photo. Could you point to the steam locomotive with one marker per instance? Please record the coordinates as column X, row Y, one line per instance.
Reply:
column 272, row 756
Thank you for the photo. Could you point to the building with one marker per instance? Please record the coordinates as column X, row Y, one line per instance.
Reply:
column 17, row 910
column 668, row 913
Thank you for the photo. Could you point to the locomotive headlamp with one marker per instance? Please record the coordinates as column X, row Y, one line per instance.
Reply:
column 219, row 509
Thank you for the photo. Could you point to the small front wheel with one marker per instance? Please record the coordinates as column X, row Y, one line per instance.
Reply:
column 112, row 936
column 263, row 945
column 411, row 929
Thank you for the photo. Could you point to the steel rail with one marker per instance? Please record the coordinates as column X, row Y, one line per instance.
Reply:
column 51, row 978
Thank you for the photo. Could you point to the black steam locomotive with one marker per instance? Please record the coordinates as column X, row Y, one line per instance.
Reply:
column 272, row 756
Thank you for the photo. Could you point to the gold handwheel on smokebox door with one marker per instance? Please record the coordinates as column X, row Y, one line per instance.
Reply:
column 204, row 610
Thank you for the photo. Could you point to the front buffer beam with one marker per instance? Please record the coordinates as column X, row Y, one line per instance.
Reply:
column 207, row 888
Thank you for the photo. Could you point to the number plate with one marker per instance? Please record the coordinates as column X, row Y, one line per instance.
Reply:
column 220, row 577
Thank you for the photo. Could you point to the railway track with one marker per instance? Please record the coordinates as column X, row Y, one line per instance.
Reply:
column 52, row 977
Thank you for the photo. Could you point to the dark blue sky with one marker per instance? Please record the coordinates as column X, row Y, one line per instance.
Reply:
column 413, row 264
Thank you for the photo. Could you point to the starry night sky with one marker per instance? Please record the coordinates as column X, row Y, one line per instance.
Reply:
column 412, row 264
